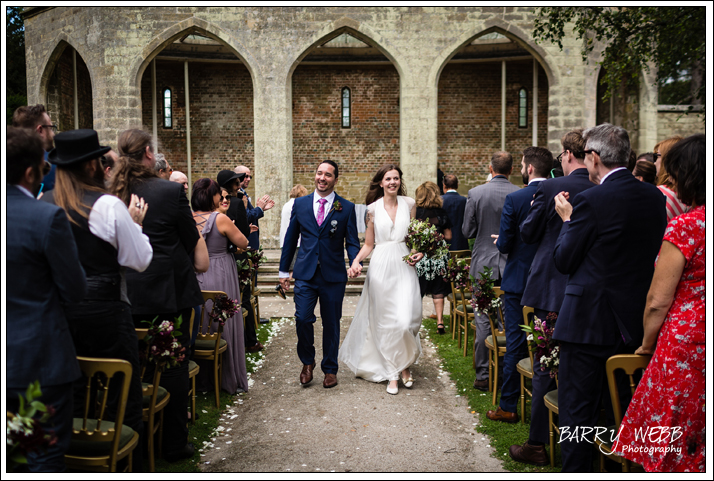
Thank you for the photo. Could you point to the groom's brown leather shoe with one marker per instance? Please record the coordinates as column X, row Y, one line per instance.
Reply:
column 330, row 381
column 529, row 454
column 501, row 415
column 306, row 374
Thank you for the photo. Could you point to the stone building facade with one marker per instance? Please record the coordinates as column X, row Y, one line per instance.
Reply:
column 265, row 87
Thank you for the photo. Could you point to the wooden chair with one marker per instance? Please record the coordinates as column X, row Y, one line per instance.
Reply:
column 254, row 302
column 463, row 312
column 454, row 297
column 155, row 399
column 551, row 402
column 96, row 445
column 630, row 363
column 496, row 345
column 525, row 365
column 211, row 346
column 193, row 370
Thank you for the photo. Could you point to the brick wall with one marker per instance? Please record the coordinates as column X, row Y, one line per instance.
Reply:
column 221, row 108
column 60, row 95
column 373, row 138
column 469, row 118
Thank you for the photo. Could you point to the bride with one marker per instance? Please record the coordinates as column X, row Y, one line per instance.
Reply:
column 383, row 339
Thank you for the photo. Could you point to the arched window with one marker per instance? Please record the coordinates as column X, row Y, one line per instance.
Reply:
column 168, row 111
column 346, row 108
column 522, row 108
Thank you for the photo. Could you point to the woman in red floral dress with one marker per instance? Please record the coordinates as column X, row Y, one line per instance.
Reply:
column 668, row 406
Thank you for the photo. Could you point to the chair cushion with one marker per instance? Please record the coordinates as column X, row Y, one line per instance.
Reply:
column 525, row 365
column 552, row 398
column 202, row 345
column 94, row 448
column 467, row 295
column 501, row 341
column 192, row 368
column 147, row 399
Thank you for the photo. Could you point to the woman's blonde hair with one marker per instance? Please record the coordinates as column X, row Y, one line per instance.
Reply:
column 298, row 191
column 428, row 197
column 130, row 168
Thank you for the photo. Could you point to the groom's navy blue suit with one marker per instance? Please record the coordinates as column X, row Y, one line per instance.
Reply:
column 320, row 273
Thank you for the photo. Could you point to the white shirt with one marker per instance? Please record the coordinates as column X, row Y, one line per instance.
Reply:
column 609, row 173
column 315, row 207
column 285, row 220
column 24, row 191
column 537, row 179
column 109, row 220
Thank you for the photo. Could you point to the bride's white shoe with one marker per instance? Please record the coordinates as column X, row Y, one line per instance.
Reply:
column 393, row 390
column 408, row 383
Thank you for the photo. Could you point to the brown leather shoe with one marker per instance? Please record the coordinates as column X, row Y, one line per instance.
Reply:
column 481, row 385
column 433, row 316
column 330, row 381
column 529, row 454
column 306, row 374
column 501, row 415
column 258, row 347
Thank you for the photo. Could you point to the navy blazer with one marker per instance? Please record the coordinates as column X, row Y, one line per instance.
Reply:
column 44, row 272
column 454, row 205
column 608, row 250
column 520, row 254
column 545, row 287
column 325, row 243
column 253, row 214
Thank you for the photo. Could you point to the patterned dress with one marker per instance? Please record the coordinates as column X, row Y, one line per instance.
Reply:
column 672, row 391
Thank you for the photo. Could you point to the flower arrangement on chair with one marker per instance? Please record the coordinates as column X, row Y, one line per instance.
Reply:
column 541, row 343
column 423, row 237
column 249, row 266
column 164, row 348
column 25, row 434
column 483, row 297
column 223, row 309
column 456, row 271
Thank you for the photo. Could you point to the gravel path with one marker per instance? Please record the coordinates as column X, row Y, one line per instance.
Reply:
column 281, row 426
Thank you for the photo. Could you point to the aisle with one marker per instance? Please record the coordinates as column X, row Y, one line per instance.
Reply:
column 280, row 426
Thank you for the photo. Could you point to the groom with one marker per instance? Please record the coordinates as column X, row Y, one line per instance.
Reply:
column 325, row 223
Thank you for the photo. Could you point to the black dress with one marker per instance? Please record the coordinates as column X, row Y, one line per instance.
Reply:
column 437, row 287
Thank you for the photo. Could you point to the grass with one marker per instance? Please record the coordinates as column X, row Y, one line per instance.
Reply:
column 209, row 416
column 461, row 372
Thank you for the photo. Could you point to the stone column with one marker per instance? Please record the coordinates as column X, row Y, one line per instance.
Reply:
column 648, row 111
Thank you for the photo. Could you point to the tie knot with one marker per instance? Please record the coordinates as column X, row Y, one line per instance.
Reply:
column 322, row 201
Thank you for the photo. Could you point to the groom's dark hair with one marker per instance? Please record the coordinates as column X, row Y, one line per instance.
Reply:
column 333, row 164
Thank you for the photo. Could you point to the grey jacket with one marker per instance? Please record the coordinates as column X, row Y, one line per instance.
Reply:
column 482, row 218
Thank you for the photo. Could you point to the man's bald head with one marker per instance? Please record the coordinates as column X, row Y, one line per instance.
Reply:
column 179, row 177
column 242, row 169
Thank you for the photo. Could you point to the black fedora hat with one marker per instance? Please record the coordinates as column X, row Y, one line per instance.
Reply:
column 226, row 176
column 76, row 146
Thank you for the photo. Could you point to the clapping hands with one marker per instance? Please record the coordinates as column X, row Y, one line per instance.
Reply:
column 265, row 203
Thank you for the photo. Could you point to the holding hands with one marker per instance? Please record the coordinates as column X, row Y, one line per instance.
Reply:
column 563, row 207
column 137, row 209
column 355, row 269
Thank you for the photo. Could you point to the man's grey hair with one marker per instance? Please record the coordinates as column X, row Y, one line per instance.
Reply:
column 160, row 163
column 611, row 142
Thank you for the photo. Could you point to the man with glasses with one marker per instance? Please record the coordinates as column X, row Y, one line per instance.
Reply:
column 37, row 119
column 545, row 287
column 162, row 167
column 607, row 246
column 254, row 213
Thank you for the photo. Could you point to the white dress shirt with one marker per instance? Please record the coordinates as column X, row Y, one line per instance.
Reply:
column 610, row 173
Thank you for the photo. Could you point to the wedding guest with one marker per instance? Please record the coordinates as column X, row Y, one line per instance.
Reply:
column 109, row 239
column 298, row 190
column 675, row 332
column 454, row 205
column 180, row 177
column 645, row 172
column 43, row 256
column 168, row 288
column 675, row 206
column 648, row 156
column 108, row 160
column 429, row 209
column 162, row 167
column 37, row 119
column 217, row 229
column 263, row 204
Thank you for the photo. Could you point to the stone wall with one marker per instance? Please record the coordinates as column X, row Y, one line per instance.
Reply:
column 670, row 124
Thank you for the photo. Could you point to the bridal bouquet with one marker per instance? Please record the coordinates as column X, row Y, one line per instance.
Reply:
column 483, row 297
column 423, row 237
column 23, row 429
column 540, row 341
column 456, row 271
column 223, row 309
column 164, row 348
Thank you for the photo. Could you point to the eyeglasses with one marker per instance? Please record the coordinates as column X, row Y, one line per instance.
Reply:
column 656, row 155
column 53, row 127
column 590, row 151
column 557, row 159
column 226, row 197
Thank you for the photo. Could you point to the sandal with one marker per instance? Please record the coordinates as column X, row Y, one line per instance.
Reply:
column 440, row 328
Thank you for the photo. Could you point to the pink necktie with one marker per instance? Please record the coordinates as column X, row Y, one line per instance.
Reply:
column 321, row 211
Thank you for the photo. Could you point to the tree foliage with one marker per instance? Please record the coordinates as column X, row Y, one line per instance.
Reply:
column 673, row 39
column 15, row 61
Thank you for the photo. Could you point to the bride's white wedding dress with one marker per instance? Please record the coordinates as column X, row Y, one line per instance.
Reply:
column 383, row 338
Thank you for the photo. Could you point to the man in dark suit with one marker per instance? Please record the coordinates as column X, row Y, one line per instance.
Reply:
column 454, row 205
column 43, row 273
column 482, row 219
column 253, row 213
column 535, row 165
column 326, row 224
column 37, row 119
column 607, row 246
column 545, row 287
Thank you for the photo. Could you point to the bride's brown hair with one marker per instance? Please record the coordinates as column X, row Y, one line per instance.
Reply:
column 376, row 191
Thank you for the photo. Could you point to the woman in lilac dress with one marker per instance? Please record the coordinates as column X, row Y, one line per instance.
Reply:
column 219, row 230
